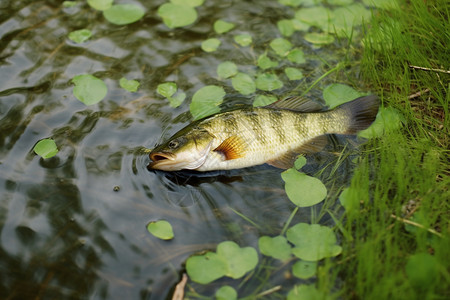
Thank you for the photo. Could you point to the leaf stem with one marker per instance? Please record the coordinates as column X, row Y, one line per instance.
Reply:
column 289, row 220
column 320, row 78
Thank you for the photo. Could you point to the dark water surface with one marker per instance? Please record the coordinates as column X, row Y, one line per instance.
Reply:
column 64, row 231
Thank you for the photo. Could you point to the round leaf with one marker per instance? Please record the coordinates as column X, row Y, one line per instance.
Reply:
column 226, row 293
column 210, row 45
column 206, row 100
column 286, row 27
column 263, row 100
column 264, row 62
column 281, row 46
column 300, row 162
column 161, row 229
column 206, row 268
column 313, row 242
column 303, row 190
column 243, row 83
column 100, row 4
column 388, row 119
column 123, row 14
column 268, row 82
column 239, row 260
column 192, row 3
column 296, row 56
column 227, row 69
column 243, row 39
column 89, row 89
column 293, row 3
column 304, row 269
column 336, row 94
column 46, row 148
column 176, row 100
column 129, row 85
column 306, row 292
column 177, row 15
column 80, row 36
column 319, row 38
column 276, row 247
column 316, row 16
column 166, row 89
column 293, row 73
column 221, row 26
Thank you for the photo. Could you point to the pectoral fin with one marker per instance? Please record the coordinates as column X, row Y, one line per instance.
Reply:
column 232, row 148
column 287, row 160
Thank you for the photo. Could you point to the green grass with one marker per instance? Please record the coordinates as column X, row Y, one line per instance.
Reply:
column 403, row 181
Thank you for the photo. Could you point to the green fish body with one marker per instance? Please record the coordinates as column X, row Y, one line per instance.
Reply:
column 275, row 134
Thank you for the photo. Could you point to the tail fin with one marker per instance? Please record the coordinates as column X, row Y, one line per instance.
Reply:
column 362, row 112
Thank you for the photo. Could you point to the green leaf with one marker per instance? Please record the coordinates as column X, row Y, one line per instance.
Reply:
column 206, row 100
column 243, row 39
column 226, row 292
column 210, row 45
column 129, row 85
column 264, row 62
column 384, row 4
column 350, row 200
column 303, row 190
column 299, row 25
column 192, row 3
column 239, row 260
column 268, row 82
column 340, row 2
column 313, row 242
column 336, row 94
column 422, row 269
column 281, row 46
column 243, row 83
column 206, row 268
column 293, row 3
column 123, row 14
column 176, row 15
column 69, row 3
column 345, row 18
column 227, row 69
column 167, row 89
column 176, row 100
column 388, row 119
column 100, row 4
column 306, row 292
column 263, row 100
column 296, row 56
column 316, row 16
column 221, row 26
column 300, row 162
column 304, row 269
column 276, row 247
column 293, row 73
column 286, row 27
column 46, row 148
column 89, row 89
column 161, row 229
column 319, row 38
column 80, row 36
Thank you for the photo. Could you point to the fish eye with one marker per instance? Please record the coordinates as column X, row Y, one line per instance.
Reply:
column 173, row 144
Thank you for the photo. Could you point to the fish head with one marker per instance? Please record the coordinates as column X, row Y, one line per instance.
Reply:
column 188, row 149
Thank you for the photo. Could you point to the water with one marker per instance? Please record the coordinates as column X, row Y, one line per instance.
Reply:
column 74, row 226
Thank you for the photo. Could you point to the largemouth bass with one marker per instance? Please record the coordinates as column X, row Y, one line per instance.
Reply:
column 275, row 134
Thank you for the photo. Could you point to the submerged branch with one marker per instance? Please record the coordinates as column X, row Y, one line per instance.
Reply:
column 429, row 69
column 406, row 221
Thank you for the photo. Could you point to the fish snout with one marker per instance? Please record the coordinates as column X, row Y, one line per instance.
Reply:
column 161, row 156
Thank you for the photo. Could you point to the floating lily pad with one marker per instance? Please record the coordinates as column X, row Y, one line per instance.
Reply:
column 300, row 25
column 46, row 148
column 304, row 269
column 226, row 293
column 286, row 27
column 276, row 247
column 345, row 18
column 268, row 82
column 243, row 39
column 177, row 99
column 281, row 46
column 349, row 199
column 316, row 16
column 206, row 100
column 300, row 162
column 313, row 242
column 100, row 4
column 129, row 85
column 80, row 36
column 123, row 14
column 293, row 3
column 177, row 15
column 336, row 94
column 210, row 45
column 206, row 268
column 89, row 89
column 263, row 100
column 306, row 292
column 166, row 89
column 264, row 62
column 161, row 229
column 319, row 38
column 69, row 3
column 192, row 3
column 388, row 119
column 221, row 26
column 293, row 73
column 243, row 83
column 239, row 260
column 227, row 69
column 303, row 190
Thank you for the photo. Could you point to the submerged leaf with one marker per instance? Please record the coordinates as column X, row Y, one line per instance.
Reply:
column 304, row 269
column 80, row 36
column 192, row 3
column 306, row 292
column 296, row 56
column 263, row 100
column 264, row 62
column 227, row 69
column 206, row 100
column 89, row 89
column 46, row 148
column 336, row 94
column 293, row 73
column 268, row 82
column 276, row 247
column 319, row 38
column 221, row 26
column 239, row 260
column 243, row 39
column 176, row 100
column 123, row 14
column 161, row 229
column 286, row 27
column 243, row 83
column 281, row 46
column 210, row 45
column 206, row 268
column 129, row 85
column 177, row 15
column 100, row 4
column 303, row 190
column 166, row 89
column 226, row 293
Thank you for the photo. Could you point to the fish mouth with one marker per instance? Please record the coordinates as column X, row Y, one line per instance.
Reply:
column 161, row 156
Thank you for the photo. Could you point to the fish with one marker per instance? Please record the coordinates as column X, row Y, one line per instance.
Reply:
column 275, row 134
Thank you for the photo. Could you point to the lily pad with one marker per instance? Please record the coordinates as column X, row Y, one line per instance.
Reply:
column 80, row 36
column 123, row 14
column 263, row 100
column 227, row 69
column 276, row 247
column 243, row 83
column 89, row 89
column 306, row 292
column 293, row 73
column 286, row 27
column 300, row 162
column 319, row 38
column 264, row 62
column 243, row 39
column 281, row 46
column 316, row 16
column 304, row 269
column 268, row 82
column 176, row 100
column 210, row 45
column 166, row 89
column 206, row 268
column 161, row 229
column 129, row 85
column 177, row 15
column 336, row 94
column 303, row 190
column 388, row 119
column 345, row 18
column 46, row 148
column 293, row 3
column 349, row 199
column 206, row 100
column 226, row 293
column 221, row 26
column 100, row 4
column 192, row 3
column 313, row 242
column 239, row 260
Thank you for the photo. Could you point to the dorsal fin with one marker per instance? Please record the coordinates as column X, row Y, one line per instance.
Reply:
column 287, row 160
column 296, row 103
column 232, row 147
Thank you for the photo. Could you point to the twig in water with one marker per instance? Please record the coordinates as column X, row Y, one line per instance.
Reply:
column 429, row 69
column 418, row 94
column 269, row 291
column 178, row 294
column 406, row 221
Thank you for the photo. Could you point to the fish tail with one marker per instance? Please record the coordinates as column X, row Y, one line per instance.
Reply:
column 361, row 112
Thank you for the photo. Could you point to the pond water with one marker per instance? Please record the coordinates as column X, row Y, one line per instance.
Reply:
column 74, row 225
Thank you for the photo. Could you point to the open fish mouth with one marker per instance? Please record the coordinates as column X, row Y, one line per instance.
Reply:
column 161, row 156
